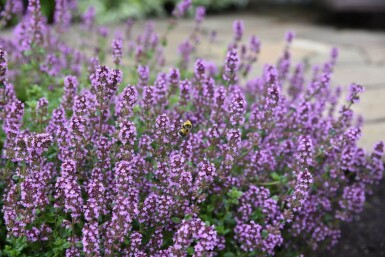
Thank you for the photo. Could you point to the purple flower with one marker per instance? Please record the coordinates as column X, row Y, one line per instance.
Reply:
column 127, row 133
column 194, row 229
column 125, row 208
column 297, row 82
column 305, row 151
column 112, row 167
column 148, row 98
column 68, row 189
column 88, row 18
column 91, row 239
column 103, row 148
column 96, row 203
column 334, row 55
column 174, row 76
column 93, row 65
column 237, row 109
column 181, row 8
column 117, row 46
column 249, row 233
column 301, row 191
column 104, row 85
column 355, row 90
column 200, row 69
column 353, row 198
column 185, row 49
column 200, row 13
column 103, row 32
column 289, row 36
column 10, row 210
column 129, row 24
column 62, row 16
column 11, row 7
column 3, row 66
column 376, row 165
column 82, row 105
column 57, row 121
column 136, row 241
column 14, row 111
column 126, row 101
column 161, row 89
column 36, row 25
column 77, row 126
column 205, row 176
column 273, row 91
column 51, row 65
column 255, row 44
column 238, row 28
column 70, row 89
column 162, row 124
column 231, row 66
column 144, row 73
column 284, row 65
column 185, row 90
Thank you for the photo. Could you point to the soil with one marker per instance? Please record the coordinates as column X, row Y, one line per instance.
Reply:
column 365, row 236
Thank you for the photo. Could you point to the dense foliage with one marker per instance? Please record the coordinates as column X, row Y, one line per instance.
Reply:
column 99, row 158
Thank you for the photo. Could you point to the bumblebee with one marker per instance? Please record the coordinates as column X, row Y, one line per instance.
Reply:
column 187, row 125
column 185, row 129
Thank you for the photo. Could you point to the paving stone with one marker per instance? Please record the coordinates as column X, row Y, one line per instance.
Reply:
column 372, row 133
column 362, row 74
column 371, row 105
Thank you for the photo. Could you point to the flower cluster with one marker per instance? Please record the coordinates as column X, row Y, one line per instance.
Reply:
column 196, row 159
column 12, row 7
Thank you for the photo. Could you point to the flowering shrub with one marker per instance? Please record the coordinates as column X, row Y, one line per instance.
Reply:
column 101, row 160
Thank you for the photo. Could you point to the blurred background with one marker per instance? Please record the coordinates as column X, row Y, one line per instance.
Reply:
column 347, row 12
column 356, row 27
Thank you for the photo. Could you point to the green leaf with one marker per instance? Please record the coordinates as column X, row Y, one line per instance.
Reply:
column 265, row 234
column 66, row 245
column 275, row 197
column 257, row 214
column 234, row 193
column 229, row 254
column 221, row 230
column 59, row 241
column 79, row 244
column 137, row 109
column 176, row 219
column 31, row 104
column 210, row 208
column 188, row 217
column 173, row 99
column 41, row 50
column 275, row 176
column 164, row 41
column 27, row 53
column 190, row 250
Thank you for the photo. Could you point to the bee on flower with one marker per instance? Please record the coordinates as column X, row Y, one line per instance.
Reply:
column 185, row 128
